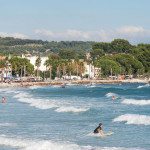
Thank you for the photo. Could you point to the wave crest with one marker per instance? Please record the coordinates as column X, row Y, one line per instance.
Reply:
column 136, row 102
column 8, row 124
column 133, row 119
column 143, row 86
column 60, row 106
column 71, row 109
column 24, row 144
column 110, row 94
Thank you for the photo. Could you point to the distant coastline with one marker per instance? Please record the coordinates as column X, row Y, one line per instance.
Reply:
column 54, row 82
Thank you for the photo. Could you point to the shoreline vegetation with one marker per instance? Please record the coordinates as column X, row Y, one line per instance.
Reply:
column 118, row 60
column 74, row 82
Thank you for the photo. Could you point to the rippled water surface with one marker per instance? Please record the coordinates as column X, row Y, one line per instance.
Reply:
column 55, row 118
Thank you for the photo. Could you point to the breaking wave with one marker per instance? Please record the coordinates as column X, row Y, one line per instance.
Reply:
column 60, row 106
column 111, row 94
column 38, row 103
column 35, row 87
column 24, row 144
column 143, row 86
column 136, row 102
column 71, row 109
column 8, row 124
column 133, row 119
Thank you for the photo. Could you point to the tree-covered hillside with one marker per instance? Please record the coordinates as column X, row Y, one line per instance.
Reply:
column 14, row 46
column 116, row 57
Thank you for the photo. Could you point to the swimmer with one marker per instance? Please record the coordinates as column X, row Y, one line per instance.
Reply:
column 113, row 97
column 3, row 100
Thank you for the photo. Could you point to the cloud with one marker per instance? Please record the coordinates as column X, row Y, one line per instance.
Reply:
column 72, row 34
column 135, row 34
column 131, row 30
column 15, row 35
column 132, row 33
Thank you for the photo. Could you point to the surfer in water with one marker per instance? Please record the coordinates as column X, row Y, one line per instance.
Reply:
column 99, row 130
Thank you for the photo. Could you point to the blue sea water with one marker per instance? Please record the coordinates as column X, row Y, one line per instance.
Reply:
column 55, row 118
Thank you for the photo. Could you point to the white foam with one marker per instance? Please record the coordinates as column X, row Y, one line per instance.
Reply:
column 7, row 124
column 24, row 144
column 136, row 102
column 93, row 134
column 35, row 87
column 111, row 94
column 71, row 109
column 59, row 106
column 38, row 103
column 8, row 90
column 99, row 135
column 133, row 119
column 143, row 86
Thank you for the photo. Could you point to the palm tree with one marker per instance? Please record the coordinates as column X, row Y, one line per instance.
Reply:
column 53, row 63
column 69, row 67
column 81, row 68
column 89, row 61
column 63, row 66
column 38, row 64
column 48, row 64
column 2, row 66
column 77, row 66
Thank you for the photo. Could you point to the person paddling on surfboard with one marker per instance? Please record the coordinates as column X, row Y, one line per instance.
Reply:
column 99, row 130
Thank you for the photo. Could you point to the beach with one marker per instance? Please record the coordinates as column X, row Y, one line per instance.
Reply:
column 60, row 82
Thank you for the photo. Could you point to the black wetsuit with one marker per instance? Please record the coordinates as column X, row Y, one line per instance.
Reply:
column 97, row 129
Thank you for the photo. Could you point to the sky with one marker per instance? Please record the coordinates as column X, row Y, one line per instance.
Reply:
column 77, row 20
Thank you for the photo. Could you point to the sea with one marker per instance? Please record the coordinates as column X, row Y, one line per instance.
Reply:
column 56, row 118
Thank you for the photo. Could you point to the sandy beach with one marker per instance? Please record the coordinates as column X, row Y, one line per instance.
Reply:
column 60, row 82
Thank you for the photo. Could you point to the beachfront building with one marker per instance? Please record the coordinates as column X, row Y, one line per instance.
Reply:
column 90, row 71
column 97, row 72
column 6, row 70
column 33, row 59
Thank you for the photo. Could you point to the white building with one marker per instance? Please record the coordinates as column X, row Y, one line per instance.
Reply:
column 33, row 59
column 90, row 70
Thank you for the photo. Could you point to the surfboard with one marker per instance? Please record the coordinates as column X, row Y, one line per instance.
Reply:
column 106, row 134
column 109, row 133
column 102, row 136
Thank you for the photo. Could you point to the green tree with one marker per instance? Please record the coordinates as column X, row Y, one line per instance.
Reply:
column 95, row 53
column 21, row 66
column 108, row 66
column 67, row 54
column 121, row 46
column 53, row 63
column 106, row 47
column 142, row 53
column 38, row 64
column 130, row 64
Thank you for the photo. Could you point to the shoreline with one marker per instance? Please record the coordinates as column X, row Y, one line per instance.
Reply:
column 78, row 82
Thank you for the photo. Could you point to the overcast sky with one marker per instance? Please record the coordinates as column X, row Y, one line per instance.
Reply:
column 86, row 20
